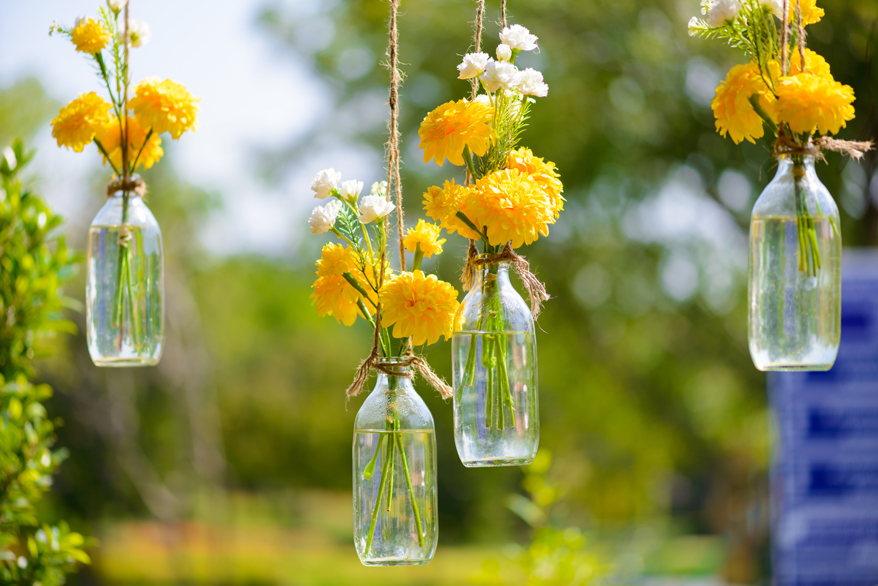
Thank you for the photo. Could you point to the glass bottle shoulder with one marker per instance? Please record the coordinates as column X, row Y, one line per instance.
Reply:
column 138, row 214
column 402, row 404
column 778, row 199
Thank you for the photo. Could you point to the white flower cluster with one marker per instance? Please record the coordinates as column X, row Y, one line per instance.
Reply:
column 139, row 33
column 502, row 74
column 370, row 208
column 720, row 12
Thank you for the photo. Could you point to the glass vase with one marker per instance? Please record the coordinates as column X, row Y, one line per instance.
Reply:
column 494, row 370
column 394, row 458
column 125, row 293
column 794, row 289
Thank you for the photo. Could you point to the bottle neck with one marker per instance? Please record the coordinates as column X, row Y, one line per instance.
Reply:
column 400, row 380
column 492, row 274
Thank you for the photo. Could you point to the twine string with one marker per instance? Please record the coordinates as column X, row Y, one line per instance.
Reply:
column 126, row 174
column 503, row 13
column 536, row 290
column 375, row 361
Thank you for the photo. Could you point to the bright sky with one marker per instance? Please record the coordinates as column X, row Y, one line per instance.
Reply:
column 253, row 96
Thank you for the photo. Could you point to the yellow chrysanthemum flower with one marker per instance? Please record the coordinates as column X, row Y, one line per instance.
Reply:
column 512, row 206
column 334, row 296
column 78, row 122
column 449, row 128
column 110, row 137
column 734, row 113
column 420, row 306
column 90, row 36
column 334, row 260
column 811, row 13
column 443, row 203
column 809, row 102
column 543, row 172
column 427, row 236
column 164, row 106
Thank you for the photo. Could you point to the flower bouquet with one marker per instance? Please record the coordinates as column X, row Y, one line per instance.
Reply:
column 510, row 198
column 125, row 281
column 394, row 449
column 795, row 242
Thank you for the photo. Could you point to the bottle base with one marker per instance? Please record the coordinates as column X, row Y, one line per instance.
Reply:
column 497, row 462
column 124, row 361
column 793, row 367
column 389, row 562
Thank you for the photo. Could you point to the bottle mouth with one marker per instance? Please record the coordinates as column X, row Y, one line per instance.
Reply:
column 394, row 363
column 485, row 256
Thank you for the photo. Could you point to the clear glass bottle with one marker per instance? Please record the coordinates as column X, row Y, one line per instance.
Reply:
column 125, row 290
column 394, row 456
column 494, row 370
column 794, row 289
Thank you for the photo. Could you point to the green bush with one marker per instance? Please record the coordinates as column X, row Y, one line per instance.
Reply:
column 34, row 263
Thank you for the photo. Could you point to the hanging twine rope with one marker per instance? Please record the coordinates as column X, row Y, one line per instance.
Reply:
column 503, row 13
column 786, row 145
column 536, row 291
column 375, row 360
column 125, row 183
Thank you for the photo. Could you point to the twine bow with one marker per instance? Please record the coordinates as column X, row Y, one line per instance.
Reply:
column 536, row 291
column 374, row 362
column 133, row 185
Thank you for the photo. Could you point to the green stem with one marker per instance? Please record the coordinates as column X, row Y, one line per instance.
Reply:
column 419, row 258
column 468, row 157
column 353, row 283
column 370, row 467
column 757, row 107
column 391, row 448
column 377, row 509
column 408, row 481
column 104, row 152
column 137, row 158
column 471, row 226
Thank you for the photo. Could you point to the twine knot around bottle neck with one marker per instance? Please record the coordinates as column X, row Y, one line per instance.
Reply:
column 786, row 146
column 399, row 367
column 536, row 291
column 134, row 185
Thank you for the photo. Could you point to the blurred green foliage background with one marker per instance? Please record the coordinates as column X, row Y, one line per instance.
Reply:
column 229, row 463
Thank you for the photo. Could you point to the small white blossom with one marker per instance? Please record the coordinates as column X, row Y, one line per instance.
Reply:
column 530, row 83
column 720, row 12
column 473, row 65
column 694, row 25
column 79, row 20
column 323, row 217
column 774, row 6
column 324, row 182
column 483, row 98
column 139, row 33
column 116, row 5
column 373, row 207
column 504, row 52
column 351, row 189
column 499, row 75
column 379, row 188
column 54, row 28
column 518, row 38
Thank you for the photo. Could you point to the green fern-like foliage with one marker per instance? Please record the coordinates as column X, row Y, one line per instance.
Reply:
column 34, row 264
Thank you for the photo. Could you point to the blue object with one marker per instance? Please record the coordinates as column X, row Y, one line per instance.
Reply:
column 824, row 479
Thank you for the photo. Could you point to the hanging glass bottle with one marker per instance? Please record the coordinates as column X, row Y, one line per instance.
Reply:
column 494, row 369
column 125, row 295
column 794, row 288
column 394, row 474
